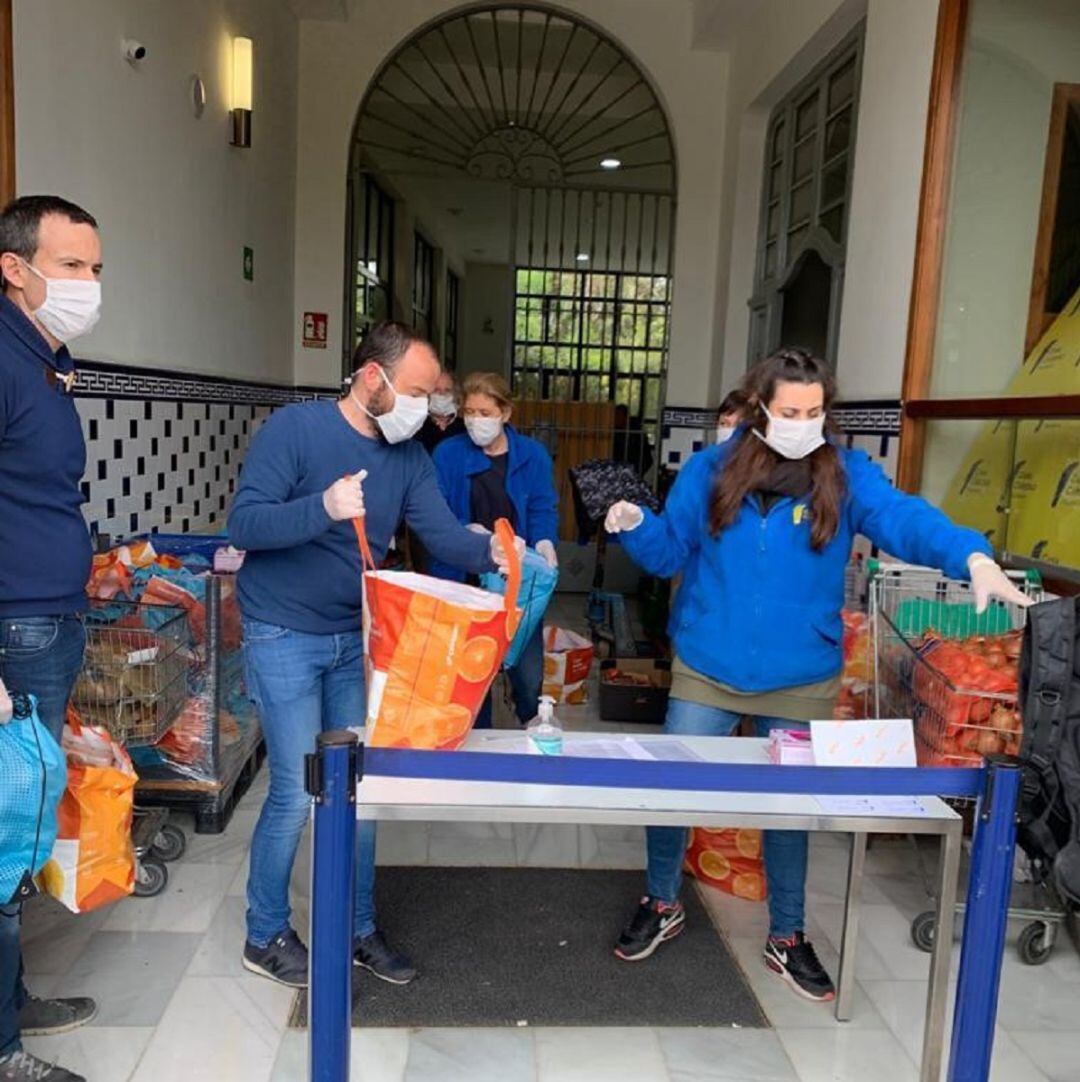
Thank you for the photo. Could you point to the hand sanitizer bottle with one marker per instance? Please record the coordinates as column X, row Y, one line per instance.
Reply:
column 544, row 731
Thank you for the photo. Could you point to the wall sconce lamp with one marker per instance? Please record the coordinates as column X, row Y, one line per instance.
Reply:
column 242, row 64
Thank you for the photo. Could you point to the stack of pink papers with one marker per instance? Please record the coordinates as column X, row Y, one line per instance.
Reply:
column 790, row 747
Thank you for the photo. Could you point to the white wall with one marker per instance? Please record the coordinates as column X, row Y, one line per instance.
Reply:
column 774, row 50
column 175, row 202
column 487, row 303
column 337, row 60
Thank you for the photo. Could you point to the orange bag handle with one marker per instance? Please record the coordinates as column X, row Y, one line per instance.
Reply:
column 505, row 533
column 365, row 548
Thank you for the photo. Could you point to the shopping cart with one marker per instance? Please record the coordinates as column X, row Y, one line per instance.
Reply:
column 953, row 672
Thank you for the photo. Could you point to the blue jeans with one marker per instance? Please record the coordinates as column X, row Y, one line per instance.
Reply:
column 302, row 684
column 526, row 678
column 39, row 655
column 785, row 850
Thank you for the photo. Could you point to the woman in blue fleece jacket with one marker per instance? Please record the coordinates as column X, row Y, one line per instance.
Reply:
column 489, row 472
column 760, row 528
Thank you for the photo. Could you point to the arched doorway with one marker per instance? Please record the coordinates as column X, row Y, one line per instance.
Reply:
column 512, row 187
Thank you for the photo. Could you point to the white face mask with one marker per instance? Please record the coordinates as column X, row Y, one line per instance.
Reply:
column 724, row 433
column 483, row 431
column 72, row 306
column 404, row 419
column 442, row 405
column 793, row 439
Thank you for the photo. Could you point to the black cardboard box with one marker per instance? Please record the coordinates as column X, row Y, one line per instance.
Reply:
column 628, row 702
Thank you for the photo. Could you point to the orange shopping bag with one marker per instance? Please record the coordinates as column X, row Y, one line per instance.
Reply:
column 728, row 859
column 92, row 862
column 432, row 649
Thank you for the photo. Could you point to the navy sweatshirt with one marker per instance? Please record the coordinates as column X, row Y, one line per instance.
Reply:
column 44, row 544
column 302, row 570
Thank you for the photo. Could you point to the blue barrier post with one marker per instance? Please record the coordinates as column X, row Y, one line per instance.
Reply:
column 984, row 923
column 331, row 780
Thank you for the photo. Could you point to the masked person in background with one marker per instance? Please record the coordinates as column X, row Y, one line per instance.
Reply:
column 443, row 419
column 761, row 529
column 730, row 415
column 494, row 472
column 50, row 256
column 300, row 598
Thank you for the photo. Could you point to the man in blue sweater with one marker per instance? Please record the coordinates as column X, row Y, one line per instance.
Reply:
column 50, row 259
column 300, row 589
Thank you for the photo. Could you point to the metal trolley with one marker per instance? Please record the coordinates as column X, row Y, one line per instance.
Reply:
column 916, row 614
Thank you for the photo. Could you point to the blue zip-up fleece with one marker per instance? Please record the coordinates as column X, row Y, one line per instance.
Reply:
column 529, row 484
column 44, row 544
column 758, row 609
column 302, row 570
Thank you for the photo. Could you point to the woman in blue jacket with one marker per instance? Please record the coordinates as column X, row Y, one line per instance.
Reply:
column 492, row 472
column 761, row 527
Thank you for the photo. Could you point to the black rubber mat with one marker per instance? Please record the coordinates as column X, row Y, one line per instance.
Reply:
column 506, row 946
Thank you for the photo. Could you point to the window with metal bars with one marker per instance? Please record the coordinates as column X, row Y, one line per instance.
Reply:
column 453, row 304
column 423, row 286
column 593, row 336
column 373, row 224
column 806, row 195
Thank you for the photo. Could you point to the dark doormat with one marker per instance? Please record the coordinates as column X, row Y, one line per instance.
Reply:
column 506, row 946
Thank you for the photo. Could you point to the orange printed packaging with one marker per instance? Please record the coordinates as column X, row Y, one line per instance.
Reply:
column 432, row 649
column 728, row 859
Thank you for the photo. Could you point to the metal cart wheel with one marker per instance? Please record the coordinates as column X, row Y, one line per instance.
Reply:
column 1036, row 944
column 922, row 930
column 151, row 878
column 169, row 844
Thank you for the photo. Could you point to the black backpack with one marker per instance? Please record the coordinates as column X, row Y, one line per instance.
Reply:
column 1049, row 814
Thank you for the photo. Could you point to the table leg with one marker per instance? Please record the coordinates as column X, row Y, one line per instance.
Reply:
column 845, row 980
column 938, row 995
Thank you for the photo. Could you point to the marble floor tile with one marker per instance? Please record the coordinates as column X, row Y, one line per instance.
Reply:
column 402, row 843
column 847, row 1055
column 471, row 1055
column 611, row 847
column 1056, row 1055
column 725, row 1055
column 188, row 903
column 376, row 1055
column 217, row 1028
column 220, row 949
column 477, row 844
column 228, row 847
column 132, row 975
column 53, row 937
column 106, row 1053
column 1035, row 998
column 546, row 845
column 600, row 1055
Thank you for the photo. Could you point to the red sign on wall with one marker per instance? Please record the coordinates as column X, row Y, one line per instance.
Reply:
column 314, row 330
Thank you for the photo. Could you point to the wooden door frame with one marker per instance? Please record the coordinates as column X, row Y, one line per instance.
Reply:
column 7, row 107
column 941, row 121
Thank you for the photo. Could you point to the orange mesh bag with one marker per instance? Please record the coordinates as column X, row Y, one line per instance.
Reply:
column 432, row 649
column 92, row 862
column 728, row 859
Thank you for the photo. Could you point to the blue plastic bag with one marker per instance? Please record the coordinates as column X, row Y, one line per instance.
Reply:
column 33, row 774
column 538, row 582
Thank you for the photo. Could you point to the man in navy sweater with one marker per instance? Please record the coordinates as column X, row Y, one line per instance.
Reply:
column 50, row 259
column 303, row 482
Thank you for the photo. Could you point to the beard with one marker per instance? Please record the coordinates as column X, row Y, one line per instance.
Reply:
column 382, row 401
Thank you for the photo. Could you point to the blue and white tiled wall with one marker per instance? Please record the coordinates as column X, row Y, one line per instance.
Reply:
column 163, row 450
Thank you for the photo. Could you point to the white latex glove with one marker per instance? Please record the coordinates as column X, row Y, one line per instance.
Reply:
column 344, row 499
column 5, row 705
column 988, row 580
column 622, row 517
column 547, row 550
column 477, row 528
column 498, row 557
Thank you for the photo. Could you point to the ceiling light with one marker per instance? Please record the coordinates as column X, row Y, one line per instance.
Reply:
column 610, row 163
column 582, row 257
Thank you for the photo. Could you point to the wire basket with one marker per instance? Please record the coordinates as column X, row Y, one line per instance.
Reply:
column 950, row 670
column 134, row 680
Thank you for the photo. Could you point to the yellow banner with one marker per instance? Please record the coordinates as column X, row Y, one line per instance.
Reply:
column 1038, row 460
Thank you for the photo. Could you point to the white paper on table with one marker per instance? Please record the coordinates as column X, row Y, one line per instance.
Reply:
column 626, row 747
column 899, row 807
column 882, row 742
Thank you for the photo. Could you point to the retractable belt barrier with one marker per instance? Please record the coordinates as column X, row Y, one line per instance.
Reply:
column 340, row 761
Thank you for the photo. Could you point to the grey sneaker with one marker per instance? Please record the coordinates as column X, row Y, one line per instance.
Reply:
column 47, row 1017
column 284, row 959
column 22, row 1067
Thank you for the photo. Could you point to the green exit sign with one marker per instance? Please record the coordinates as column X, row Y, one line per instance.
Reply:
column 249, row 264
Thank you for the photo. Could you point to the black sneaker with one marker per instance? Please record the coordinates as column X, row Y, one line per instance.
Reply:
column 654, row 923
column 22, row 1067
column 284, row 959
column 374, row 954
column 45, row 1017
column 797, row 963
